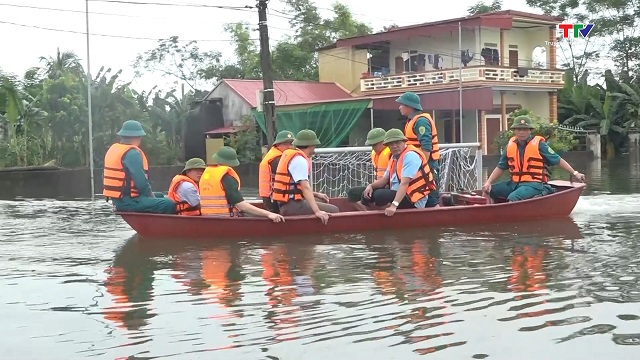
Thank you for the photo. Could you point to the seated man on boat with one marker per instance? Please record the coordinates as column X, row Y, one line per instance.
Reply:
column 268, row 166
column 291, row 186
column 184, row 189
column 126, row 179
column 380, row 156
column 220, row 189
column 408, row 175
column 528, row 158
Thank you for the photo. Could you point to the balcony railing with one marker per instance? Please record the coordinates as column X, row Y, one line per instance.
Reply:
column 507, row 76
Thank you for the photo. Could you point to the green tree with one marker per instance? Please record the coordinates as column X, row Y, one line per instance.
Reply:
column 183, row 62
column 482, row 8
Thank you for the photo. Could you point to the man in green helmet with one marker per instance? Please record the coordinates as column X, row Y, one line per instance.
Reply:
column 380, row 157
column 527, row 158
column 126, row 180
column 421, row 132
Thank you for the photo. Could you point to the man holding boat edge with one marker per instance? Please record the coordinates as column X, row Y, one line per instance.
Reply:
column 408, row 175
column 220, row 189
column 528, row 158
column 125, row 177
column 291, row 186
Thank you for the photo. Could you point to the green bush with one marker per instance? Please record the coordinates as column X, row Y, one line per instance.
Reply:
column 559, row 140
column 246, row 141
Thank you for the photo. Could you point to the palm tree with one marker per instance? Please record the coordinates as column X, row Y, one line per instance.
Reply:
column 55, row 67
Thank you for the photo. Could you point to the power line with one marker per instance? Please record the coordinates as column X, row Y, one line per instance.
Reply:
column 224, row 7
column 106, row 35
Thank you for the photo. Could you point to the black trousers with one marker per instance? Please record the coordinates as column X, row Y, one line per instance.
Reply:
column 382, row 197
column 271, row 205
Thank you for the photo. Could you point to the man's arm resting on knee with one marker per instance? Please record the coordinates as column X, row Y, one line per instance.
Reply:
column 500, row 168
column 235, row 198
column 247, row 207
column 309, row 195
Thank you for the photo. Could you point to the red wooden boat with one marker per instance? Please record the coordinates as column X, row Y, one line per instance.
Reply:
column 558, row 204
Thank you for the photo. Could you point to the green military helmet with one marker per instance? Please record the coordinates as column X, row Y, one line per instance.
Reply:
column 394, row 135
column 375, row 136
column 306, row 137
column 131, row 128
column 522, row 122
column 283, row 137
column 411, row 100
column 195, row 163
column 226, row 156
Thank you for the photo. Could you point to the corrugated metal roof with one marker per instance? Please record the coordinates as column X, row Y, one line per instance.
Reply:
column 290, row 92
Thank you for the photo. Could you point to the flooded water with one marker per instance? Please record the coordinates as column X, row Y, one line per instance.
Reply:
column 77, row 283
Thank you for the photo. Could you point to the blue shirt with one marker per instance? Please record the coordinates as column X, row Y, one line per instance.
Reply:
column 410, row 166
column 549, row 156
column 132, row 162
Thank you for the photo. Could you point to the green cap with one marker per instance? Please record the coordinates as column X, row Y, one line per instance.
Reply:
column 284, row 136
column 394, row 135
column 226, row 156
column 306, row 138
column 411, row 100
column 131, row 128
column 522, row 122
column 195, row 163
column 375, row 135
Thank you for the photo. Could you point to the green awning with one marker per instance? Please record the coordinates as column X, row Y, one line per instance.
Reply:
column 332, row 122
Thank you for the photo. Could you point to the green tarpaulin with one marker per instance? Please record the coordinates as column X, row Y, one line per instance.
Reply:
column 332, row 122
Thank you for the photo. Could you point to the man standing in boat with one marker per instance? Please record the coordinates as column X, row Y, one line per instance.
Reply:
column 268, row 166
column 421, row 132
column 220, row 189
column 291, row 186
column 126, row 179
column 184, row 189
column 528, row 158
column 409, row 178
column 380, row 157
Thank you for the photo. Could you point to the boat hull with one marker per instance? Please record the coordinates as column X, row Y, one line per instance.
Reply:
column 559, row 204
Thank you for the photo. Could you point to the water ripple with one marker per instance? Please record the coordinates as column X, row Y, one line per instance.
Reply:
column 77, row 284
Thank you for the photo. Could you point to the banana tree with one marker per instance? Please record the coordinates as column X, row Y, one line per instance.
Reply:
column 606, row 117
column 629, row 99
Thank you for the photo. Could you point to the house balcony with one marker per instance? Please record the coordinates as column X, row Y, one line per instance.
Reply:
column 472, row 75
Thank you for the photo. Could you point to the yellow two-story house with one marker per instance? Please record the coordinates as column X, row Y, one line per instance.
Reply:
column 507, row 60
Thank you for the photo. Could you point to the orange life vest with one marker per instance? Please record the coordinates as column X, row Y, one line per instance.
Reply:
column 265, row 173
column 116, row 182
column 283, row 184
column 182, row 206
column 532, row 167
column 380, row 161
column 422, row 182
column 213, row 200
column 412, row 138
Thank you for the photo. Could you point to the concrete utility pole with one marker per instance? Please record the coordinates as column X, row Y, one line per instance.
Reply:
column 268, row 103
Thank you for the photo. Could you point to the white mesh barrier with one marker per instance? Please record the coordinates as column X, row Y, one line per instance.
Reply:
column 335, row 170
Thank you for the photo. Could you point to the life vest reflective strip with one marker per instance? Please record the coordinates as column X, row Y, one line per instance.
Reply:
column 380, row 161
column 533, row 167
column 213, row 200
column 265, row 173
column 116, row 181
column 283, row 184
column 412, row 138
column 182, row 206
column 422, row 182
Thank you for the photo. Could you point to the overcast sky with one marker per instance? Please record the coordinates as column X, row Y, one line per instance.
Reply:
column 122, row 29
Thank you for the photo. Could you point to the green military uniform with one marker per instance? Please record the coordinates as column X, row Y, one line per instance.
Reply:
column 422, row 129
column 148, row 201
column 375, row 136
column 513, row 191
